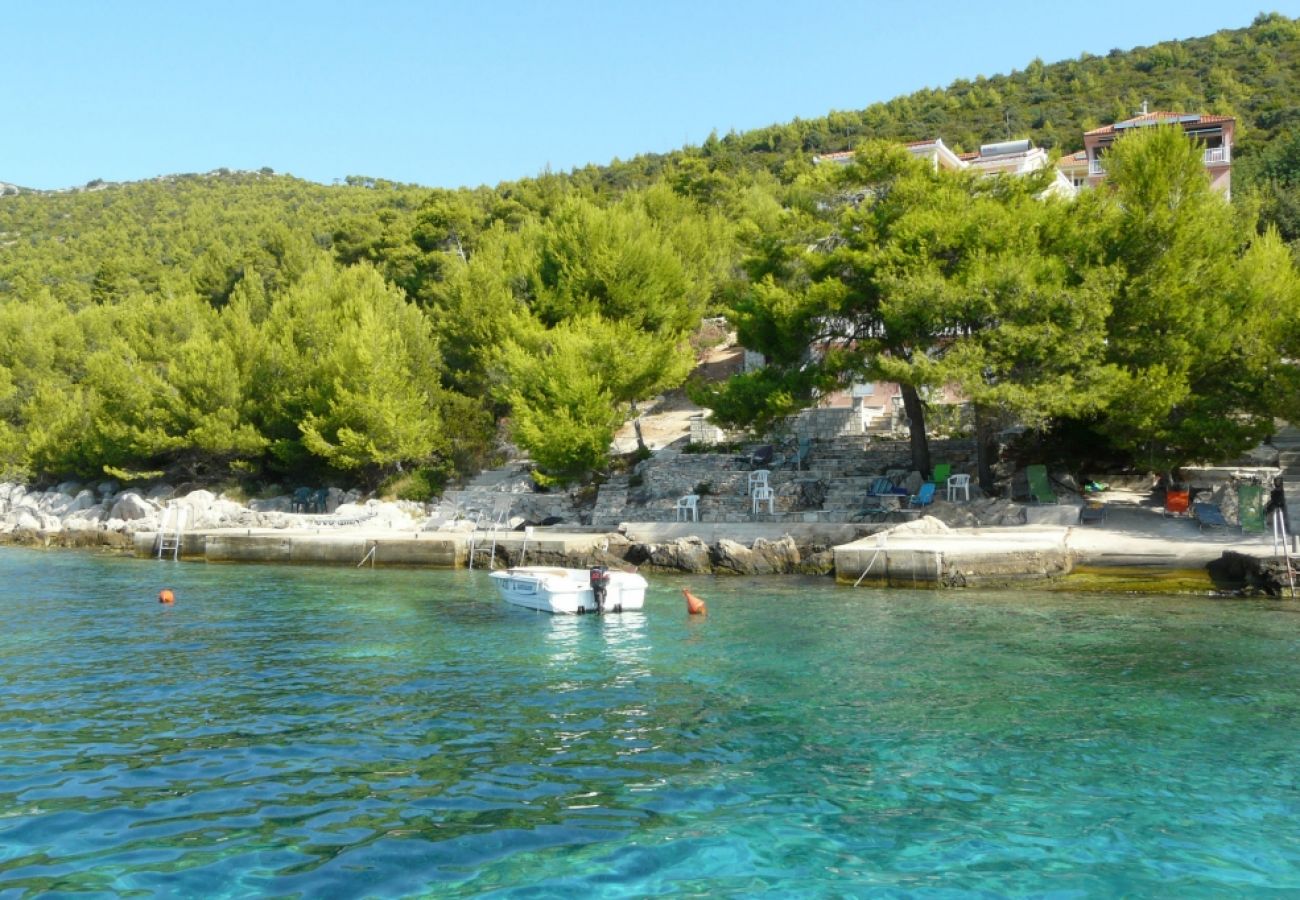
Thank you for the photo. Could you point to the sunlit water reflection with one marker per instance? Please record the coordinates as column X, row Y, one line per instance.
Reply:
column 354, row 732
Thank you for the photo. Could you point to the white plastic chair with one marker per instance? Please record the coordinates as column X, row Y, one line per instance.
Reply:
column 958, row 484
column 764, row 494
column 690, row 505
column 757, row 479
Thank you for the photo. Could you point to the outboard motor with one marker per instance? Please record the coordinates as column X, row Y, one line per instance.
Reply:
column 599, row 586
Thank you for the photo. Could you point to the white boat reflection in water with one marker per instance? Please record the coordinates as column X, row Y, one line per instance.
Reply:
column 575, row 591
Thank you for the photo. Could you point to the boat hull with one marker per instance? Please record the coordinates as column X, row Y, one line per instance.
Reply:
column 568, row 591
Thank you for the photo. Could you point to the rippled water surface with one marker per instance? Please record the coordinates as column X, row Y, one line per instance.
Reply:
column 351, row 732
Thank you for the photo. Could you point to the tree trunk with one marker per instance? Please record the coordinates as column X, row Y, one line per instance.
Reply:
column 636, row 426
column 986, row 449
column 915, row 410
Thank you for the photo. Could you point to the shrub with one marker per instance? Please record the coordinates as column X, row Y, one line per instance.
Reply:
column 419, row 485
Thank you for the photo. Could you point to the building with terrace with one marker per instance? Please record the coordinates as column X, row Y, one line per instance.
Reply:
column 1214, row 133
column 1018, row 157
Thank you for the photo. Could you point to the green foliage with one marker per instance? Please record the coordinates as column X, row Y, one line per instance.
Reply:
column 251, row 325
column 1205, row 305
column 419, row 486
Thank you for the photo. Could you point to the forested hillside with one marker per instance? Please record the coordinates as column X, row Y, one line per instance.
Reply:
column 255, row 326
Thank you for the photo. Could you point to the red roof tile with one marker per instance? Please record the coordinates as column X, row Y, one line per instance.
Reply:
column 1152, row 118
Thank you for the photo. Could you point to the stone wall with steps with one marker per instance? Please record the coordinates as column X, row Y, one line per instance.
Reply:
column 831, row 487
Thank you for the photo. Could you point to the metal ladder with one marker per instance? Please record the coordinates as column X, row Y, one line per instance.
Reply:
column 1282, row 547
column 171, row 530
column 487, row 545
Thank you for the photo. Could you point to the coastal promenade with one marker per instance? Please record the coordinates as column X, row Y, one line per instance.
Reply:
column 1134, row 548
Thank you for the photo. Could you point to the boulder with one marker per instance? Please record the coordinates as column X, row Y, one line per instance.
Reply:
column 10, row 494
column 24, row 519
column 681, row 555
column 923, row 525
column 71, row 488
column 733, row 557
column 196, row 505
column 764, row 558
column 131, row 507
column 779, row 556
column 160, row 492
column 89, row 519
column 54, row 503
column 84, row 500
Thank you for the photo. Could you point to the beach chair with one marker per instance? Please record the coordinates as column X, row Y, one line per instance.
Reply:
column 761, row 458
column 1040, row 489
column 877, row 507
column 923, row 497
column 883, row 487
column 941, row 473
column 687, row 507
column 1207, row 515
column 1250, row 508
column 320, row 500
column 799, row 458
column 1092, row 513
column 1177, row 500
column 958, row 484
column 301, row 501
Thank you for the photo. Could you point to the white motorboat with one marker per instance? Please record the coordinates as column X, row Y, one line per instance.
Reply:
column 555, row 590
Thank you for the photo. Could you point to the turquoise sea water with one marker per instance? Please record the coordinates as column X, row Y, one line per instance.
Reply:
column 342, row 732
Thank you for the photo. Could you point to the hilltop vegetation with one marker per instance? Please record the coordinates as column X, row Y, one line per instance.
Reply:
column 256, row 326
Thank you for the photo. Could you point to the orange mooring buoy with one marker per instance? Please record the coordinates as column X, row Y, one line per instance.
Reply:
column 694, row 605
column 166, row 596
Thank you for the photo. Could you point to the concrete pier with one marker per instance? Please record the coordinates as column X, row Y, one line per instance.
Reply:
column 437, row 549
column 973, row 557
column 1134, row 549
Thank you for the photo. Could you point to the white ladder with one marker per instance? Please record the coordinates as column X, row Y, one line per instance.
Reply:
column 1282, row 547
column 498, row 519
column 170, row 531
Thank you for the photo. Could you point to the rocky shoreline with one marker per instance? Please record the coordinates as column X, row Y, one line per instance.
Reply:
column 1137, row 540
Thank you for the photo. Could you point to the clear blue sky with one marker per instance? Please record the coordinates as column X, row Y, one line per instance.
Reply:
column 447, row 94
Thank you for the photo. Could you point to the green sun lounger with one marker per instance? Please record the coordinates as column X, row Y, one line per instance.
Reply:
column 1040, row 489
column 1250, row 508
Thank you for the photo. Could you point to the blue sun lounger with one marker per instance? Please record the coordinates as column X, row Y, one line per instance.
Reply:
column 1208, row 515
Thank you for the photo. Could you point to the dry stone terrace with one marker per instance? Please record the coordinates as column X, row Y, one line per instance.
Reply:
column 830, row 486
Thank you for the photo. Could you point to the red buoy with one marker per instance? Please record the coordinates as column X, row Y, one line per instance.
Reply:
column 166, row 596
column 694, row 605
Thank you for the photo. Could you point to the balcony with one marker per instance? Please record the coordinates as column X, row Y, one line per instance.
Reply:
column 1214, row 156
column 1218, row 156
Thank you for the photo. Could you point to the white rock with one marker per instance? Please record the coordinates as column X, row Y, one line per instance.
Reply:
column 923, row 525
column 24, row 520
column 130, row 507
column 84, row 500
column 55, row 503
column 84, row 520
